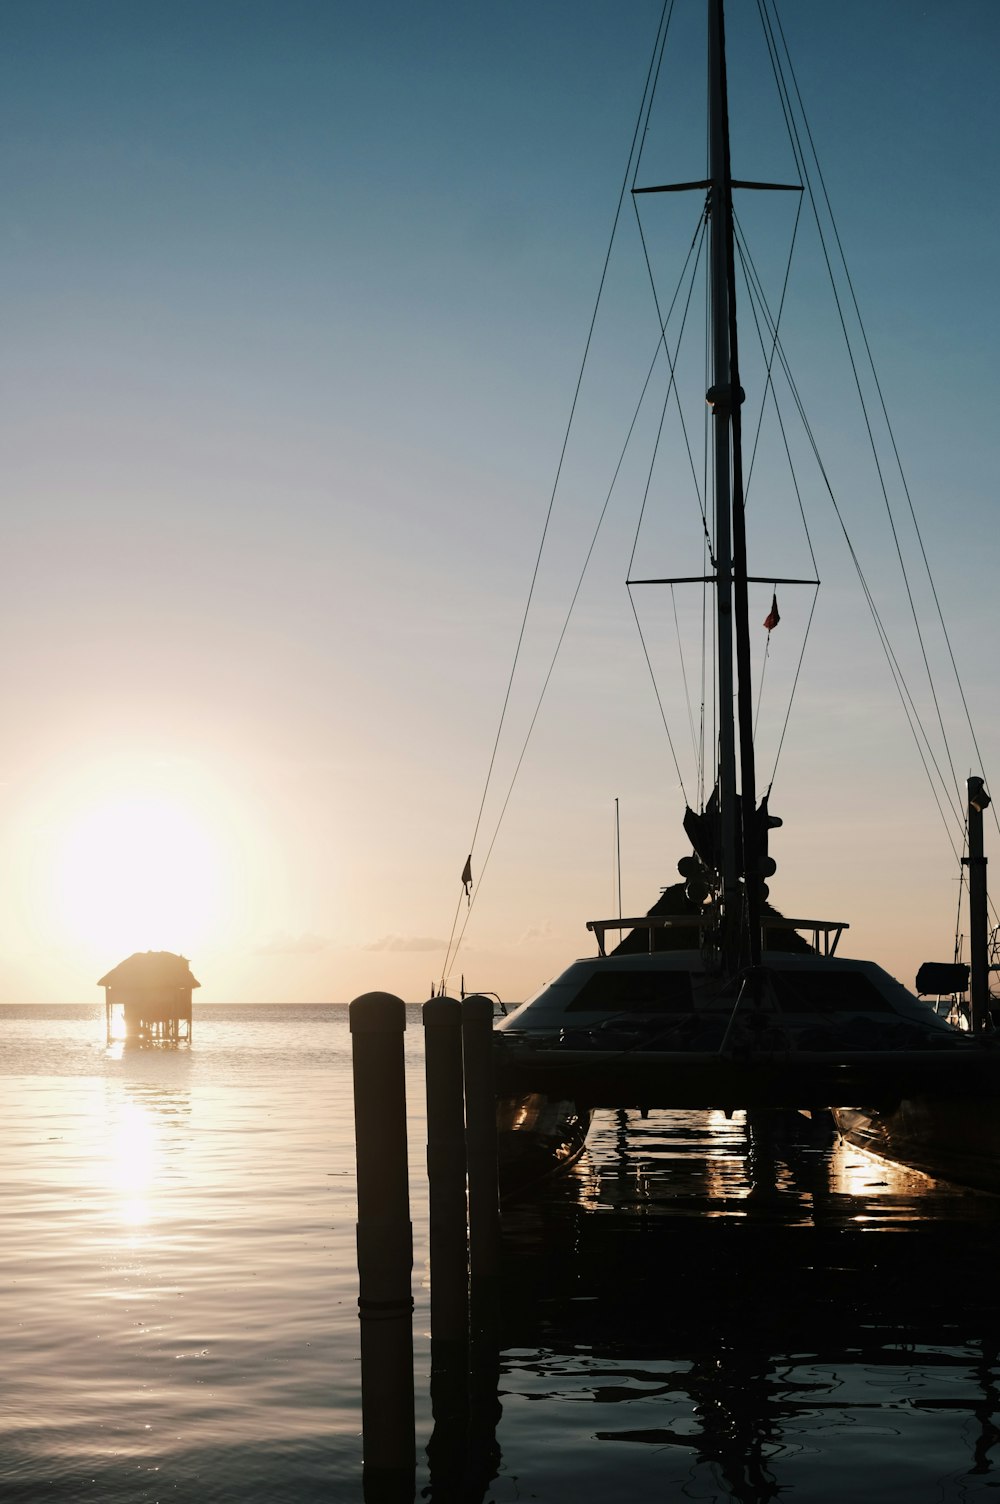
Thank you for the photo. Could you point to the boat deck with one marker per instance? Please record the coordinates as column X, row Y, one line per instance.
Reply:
column 807, row 1079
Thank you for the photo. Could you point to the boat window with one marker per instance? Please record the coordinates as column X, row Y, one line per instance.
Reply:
column 634, row 992
column 828, row 992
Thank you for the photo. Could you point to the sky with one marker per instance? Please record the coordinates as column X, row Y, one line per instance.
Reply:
column 294, row 302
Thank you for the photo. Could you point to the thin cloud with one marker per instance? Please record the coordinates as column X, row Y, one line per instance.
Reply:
column 536, row 932
column 405, row 943
column 293, row 945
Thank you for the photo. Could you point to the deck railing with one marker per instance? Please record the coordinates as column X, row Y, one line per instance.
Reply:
column 826, row 933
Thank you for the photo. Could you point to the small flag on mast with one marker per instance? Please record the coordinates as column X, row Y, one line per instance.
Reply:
column 772, row 618
column 467, row 878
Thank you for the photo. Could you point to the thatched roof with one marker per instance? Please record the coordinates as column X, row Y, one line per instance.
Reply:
column 151, row 968
column 674, row 901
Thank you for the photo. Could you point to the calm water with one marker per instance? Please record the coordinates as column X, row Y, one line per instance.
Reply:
column 697, row 1313
column 168, row 1284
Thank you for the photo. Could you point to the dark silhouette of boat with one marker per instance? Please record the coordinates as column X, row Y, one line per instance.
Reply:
column 713, row 999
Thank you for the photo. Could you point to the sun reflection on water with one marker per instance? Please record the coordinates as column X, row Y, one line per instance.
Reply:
column 134, row 1164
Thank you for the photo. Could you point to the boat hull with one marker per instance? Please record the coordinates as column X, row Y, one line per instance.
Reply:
column 538, row 1136
column 956, row 1140
column 696, row 1079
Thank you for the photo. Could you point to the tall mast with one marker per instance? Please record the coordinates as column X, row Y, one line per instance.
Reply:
column 720, row 397
column 739, row 836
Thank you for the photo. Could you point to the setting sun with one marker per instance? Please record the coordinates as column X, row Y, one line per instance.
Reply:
column 139, row 872
column 124, row 851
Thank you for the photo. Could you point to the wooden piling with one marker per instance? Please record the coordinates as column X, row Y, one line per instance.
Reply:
column 442, row 1017
column 481, row 1138
column 385, row 1246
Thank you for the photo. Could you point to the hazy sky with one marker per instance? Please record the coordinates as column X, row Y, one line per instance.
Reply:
column 294, row 298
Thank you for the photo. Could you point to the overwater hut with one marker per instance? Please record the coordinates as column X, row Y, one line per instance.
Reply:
column 152, row 990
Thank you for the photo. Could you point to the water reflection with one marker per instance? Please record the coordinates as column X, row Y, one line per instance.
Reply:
column 787, row 1166
column 737, row 1309
column 119, row 1045
column 142, row 1140
column 754, row 1365
column 177, row 1292
column 133, row 1167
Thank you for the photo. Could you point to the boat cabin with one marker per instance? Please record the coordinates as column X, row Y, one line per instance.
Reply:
column 147, row 999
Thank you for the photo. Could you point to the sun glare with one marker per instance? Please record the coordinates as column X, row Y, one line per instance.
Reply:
column 139, row 872
column 129, row 851
column 133, row 1165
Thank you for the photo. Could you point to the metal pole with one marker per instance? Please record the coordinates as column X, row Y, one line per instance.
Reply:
column 721, row 398
column 618, row 856
column 979, row 980
column 385, row 1245
column 481, row 1138
column 750, row 863
column 446, row 1170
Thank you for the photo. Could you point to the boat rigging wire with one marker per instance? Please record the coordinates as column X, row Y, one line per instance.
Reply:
column 746, row 262
column 698, row 740
column 684, row 677
column 709, row 622
column 558, row 646
column 701, row 492
column 798, row 149
column 961, row 890
column 909, row 706
column 696, row 248
column 760, row 686
column 906, row 699
column 699, row 240
column 758, row 304
column 757, row 301
column 641, row 126
column 790, row 97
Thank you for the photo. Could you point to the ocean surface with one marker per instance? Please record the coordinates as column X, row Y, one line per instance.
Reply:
column 168, row 1281
column 705, row 1309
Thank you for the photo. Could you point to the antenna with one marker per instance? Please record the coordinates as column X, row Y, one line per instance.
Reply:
column 618, row 856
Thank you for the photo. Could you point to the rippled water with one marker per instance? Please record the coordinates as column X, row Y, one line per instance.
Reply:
column 708, row 1309
column 166, row 1277
column 712, row 1316
column 704, row 1309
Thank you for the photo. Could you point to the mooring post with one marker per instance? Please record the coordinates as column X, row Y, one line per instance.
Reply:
column 446, row 1171
column 481, row 1138
column 385, row 1246
column 979, row 982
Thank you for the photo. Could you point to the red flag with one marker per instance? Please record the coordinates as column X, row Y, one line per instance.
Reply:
column 772, row 618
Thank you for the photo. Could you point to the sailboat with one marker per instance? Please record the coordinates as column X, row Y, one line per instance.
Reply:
column 713, row 999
